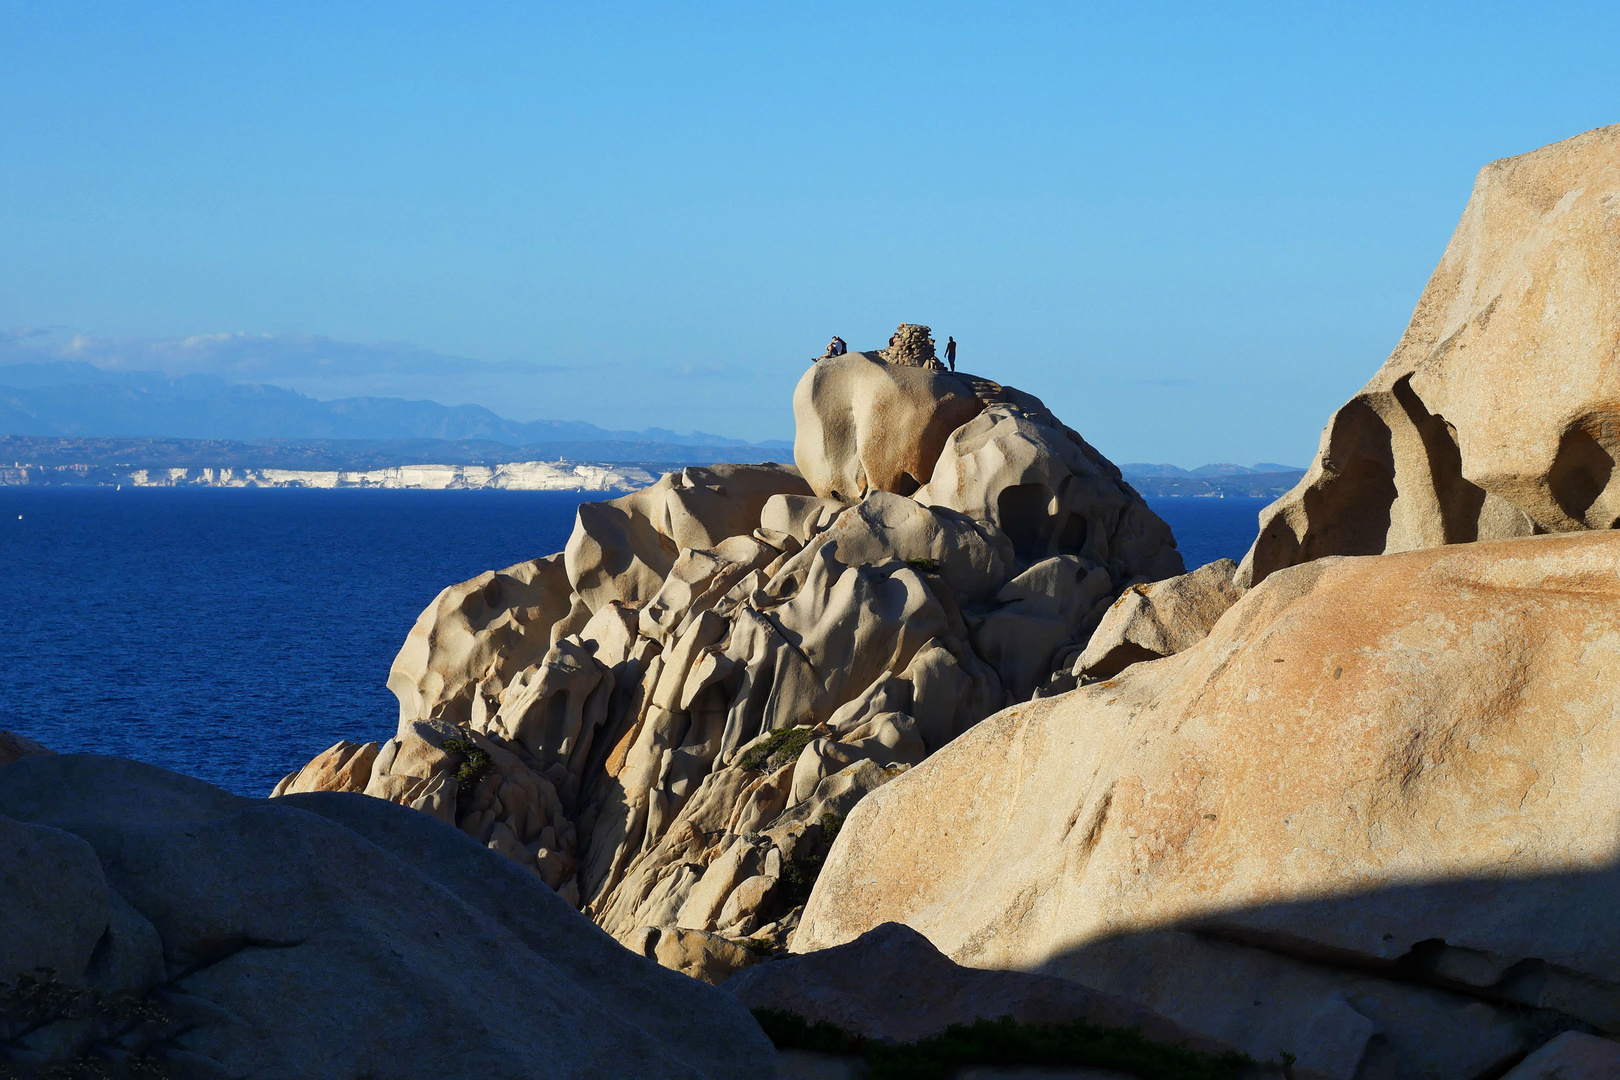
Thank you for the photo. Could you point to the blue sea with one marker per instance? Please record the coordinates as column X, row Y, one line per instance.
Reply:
column 233, row 634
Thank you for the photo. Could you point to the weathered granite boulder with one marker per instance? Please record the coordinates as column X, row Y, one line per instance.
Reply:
column 325, row 935
column 1018, row 467
column 622, row 549
column 480, row 631
column 1378, row 799
column 345, row 766
column 1496, row 416
column 862, row 424
column 723, row 664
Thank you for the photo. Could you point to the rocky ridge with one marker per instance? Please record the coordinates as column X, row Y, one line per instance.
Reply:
column 668, row 721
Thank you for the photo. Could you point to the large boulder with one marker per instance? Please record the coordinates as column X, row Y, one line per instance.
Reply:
column 326, row 935
column 1371, row 818
column 1149, row 622
column 1498, row 414
column 862, row 424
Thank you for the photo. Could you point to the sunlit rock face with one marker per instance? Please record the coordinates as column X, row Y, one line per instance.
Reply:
column 1498, row 414
column 1405, row 762
column 667, row 722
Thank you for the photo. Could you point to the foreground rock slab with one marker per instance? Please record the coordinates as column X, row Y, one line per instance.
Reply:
column 1370, row 817
column 329, row 935
column 1573, row 1055
column 892, row 985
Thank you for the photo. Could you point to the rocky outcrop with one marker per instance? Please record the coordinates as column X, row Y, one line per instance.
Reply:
column 1150, row 622
column 1369, row 819
column 668, row 723
column 891, row 985
column 1496, row 416
column 194, row 933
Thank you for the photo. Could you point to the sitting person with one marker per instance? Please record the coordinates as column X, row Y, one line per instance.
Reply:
column 836, row 347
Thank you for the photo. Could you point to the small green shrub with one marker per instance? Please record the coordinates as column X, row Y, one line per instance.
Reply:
column 790, row 1031
column 799, row 874
column 780, row 747
column 1005, row 1042
column 927, row 566
column 475, row 763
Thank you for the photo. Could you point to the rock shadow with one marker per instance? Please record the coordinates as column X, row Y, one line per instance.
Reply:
column 1458, row 979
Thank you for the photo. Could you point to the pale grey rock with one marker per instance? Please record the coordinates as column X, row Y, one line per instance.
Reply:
column 1017, row 466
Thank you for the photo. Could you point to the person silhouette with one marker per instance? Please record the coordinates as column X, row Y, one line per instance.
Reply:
column 950, row 353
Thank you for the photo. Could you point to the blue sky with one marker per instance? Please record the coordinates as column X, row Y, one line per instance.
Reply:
column 1193, row 229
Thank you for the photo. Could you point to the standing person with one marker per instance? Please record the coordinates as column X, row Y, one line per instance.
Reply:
column 950, row 353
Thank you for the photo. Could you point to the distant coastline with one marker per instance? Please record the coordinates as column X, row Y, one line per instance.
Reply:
column 510, row 476
column 448, row 465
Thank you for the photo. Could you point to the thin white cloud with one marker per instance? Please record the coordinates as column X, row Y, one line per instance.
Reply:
column 244, row 357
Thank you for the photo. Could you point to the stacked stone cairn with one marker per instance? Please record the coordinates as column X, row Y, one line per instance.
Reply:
column 913, row 347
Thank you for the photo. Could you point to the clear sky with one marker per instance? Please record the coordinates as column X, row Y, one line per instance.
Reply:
column 1193, row 229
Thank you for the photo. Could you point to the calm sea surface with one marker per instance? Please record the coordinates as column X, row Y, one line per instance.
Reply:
column 233, row 634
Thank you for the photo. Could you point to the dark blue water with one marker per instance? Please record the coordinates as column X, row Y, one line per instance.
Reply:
column 233, row 634
column 1210, row 529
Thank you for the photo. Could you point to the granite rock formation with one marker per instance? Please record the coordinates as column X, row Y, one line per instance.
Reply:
column 190, row 932
column 1498, row 414
column 667, row 722
column 1369, row 819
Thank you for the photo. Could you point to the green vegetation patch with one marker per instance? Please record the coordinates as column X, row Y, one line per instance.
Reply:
column 799, row 874
column 475, row 763
column 1006, row 1042
column 776, row 750
column 927, row 566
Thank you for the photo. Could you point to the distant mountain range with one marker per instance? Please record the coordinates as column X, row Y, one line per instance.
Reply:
column 76, row 399
column 1265, row 480
column 68, row 412
column 1133, row 469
